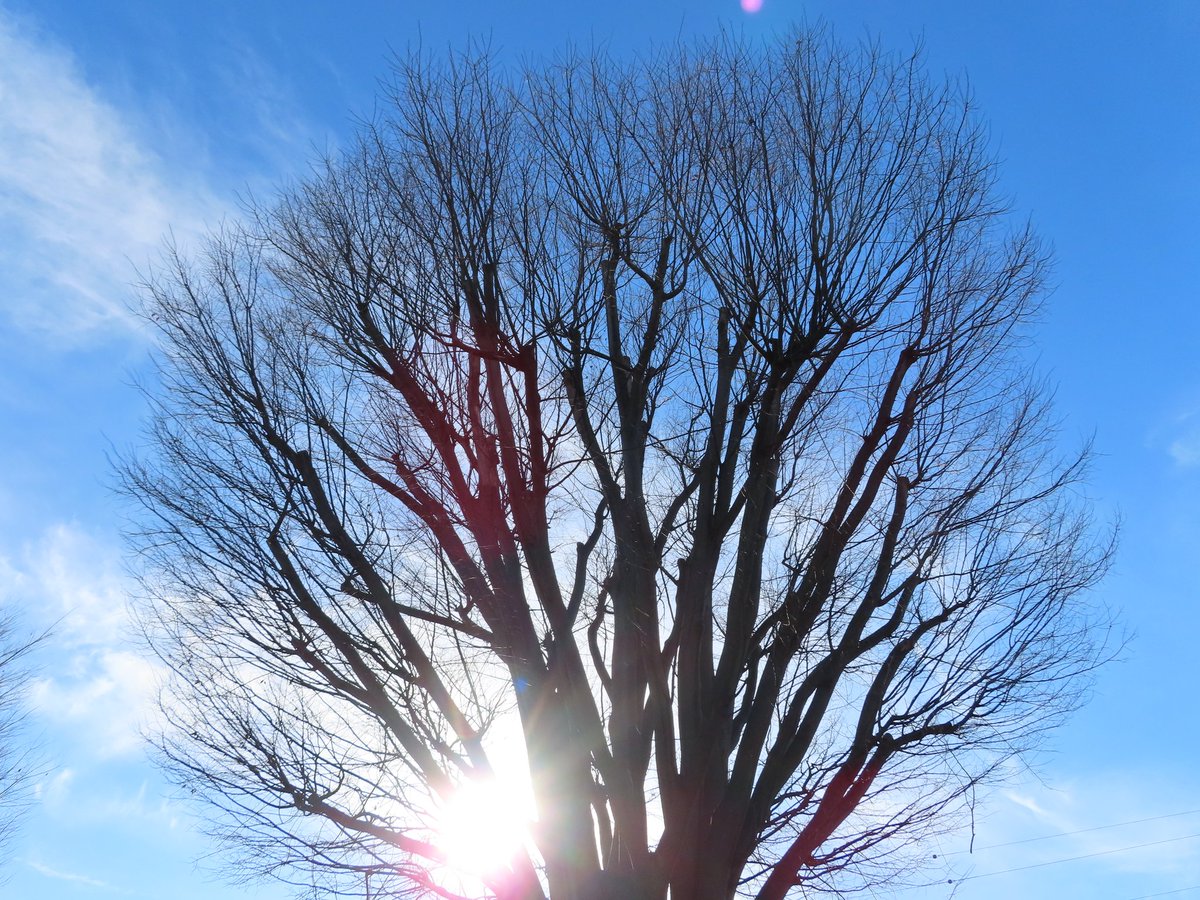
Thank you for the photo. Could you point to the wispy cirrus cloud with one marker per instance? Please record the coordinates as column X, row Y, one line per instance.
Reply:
column 1184, row 448
column 1177, row 429
column 57, row 875
column 75, row 878
column 84, row 201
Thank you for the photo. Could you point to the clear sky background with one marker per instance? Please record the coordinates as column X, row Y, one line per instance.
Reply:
column 123, row 120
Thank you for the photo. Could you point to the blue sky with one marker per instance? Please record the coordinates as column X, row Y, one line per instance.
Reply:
column 123, row 120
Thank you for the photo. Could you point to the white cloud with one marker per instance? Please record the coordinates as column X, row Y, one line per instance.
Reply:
column 56, row 788
column 92, row 681
column 1029, row 803
column 144, row 805
column 59, row 875
column 73, row 581
column 110, row 793
column 111, row 693
column 83, row 200
column 277, row 130
column 1185, row 449
column 1177, row 431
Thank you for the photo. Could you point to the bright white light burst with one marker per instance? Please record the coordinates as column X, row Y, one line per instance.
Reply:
column 482, row 827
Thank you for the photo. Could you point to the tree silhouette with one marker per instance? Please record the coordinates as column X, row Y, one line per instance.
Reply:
column 20, row 761
column 660, row 419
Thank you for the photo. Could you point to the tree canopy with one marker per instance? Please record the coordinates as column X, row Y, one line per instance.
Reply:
column 651, row 433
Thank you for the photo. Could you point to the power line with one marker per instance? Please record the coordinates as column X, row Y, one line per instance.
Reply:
column 1054, row 862
column 1046, row 837
column 1165, row 893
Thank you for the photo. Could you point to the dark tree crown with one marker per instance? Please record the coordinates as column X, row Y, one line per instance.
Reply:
column 662, row 418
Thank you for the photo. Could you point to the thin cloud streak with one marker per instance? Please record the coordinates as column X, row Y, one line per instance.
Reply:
column 83, row 201
column 1185, row 449
column 58, row 875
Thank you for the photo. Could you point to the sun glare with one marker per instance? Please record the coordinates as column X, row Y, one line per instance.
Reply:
column 482, row 827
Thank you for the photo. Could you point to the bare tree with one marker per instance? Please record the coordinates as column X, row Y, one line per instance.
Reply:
column 665, row 418
column 20, row 763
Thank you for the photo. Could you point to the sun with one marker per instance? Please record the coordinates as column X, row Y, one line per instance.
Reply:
column 482, row 827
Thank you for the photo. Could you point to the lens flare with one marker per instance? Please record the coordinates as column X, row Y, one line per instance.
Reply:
column 482, row 828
